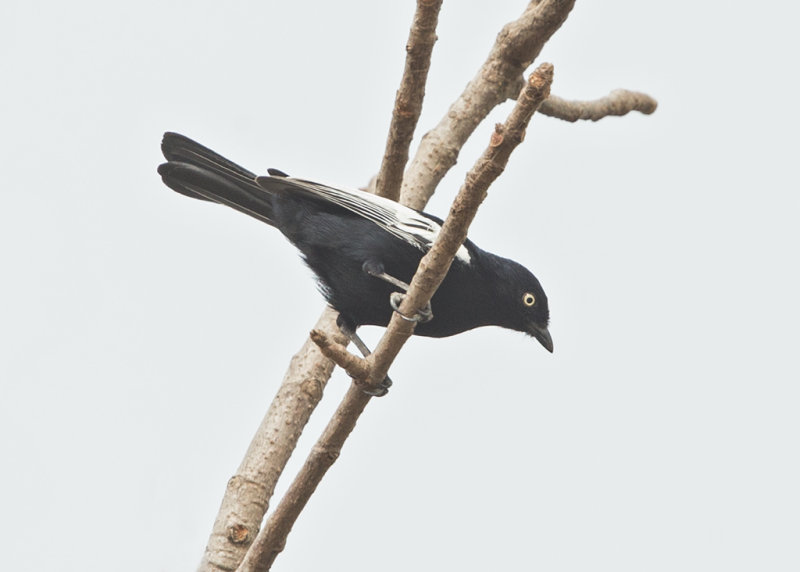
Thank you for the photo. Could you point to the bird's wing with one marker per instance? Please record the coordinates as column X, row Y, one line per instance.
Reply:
column 403, row 222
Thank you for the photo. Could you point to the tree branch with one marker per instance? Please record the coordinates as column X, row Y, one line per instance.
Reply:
column 408, row 102
column 247, row 496
column 618, row 102
column 272, row 539
column 498, row 79
column 432, row 270
column 248, row 492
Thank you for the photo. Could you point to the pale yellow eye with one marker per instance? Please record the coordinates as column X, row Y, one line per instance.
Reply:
column 528, row 299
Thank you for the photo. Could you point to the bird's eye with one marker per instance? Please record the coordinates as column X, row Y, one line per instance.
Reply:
column 528, row 299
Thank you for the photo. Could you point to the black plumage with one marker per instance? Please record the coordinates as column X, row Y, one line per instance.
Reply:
column 342, row 234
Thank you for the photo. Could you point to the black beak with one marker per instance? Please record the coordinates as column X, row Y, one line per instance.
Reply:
column 542, row 334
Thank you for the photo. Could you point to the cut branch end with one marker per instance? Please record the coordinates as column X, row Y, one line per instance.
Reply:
column 355, row 367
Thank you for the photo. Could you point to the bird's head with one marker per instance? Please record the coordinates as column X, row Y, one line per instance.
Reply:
column 524, row 302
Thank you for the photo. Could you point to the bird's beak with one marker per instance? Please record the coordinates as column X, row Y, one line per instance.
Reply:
column 542, row 334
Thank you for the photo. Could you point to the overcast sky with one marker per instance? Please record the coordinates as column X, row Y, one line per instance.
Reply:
column 144, row 334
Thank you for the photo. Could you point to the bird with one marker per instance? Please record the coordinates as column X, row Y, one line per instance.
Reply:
column 364, row 249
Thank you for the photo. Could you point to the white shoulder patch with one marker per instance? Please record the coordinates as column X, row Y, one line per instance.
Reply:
column 401, row 221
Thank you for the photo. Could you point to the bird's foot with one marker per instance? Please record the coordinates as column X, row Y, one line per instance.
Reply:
column 374, row 390
column 423, row 315
column 377, row 390
column 376, row 269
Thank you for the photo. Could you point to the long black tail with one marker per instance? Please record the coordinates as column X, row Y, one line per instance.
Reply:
column 198, row 172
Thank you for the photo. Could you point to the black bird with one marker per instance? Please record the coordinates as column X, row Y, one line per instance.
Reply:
column 363, row 248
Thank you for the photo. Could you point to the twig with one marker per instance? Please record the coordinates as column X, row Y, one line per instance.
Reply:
column 498, row 79
column 618, row 102
column 432, row 270
column 408, row 102
column 354, row 366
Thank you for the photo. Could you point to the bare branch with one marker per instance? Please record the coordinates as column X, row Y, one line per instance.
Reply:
column 249, row 490
column 618, row 102
column 272, row 539
column 408, row 103
column 517, row 45
column 246, row 499
column 432, row 270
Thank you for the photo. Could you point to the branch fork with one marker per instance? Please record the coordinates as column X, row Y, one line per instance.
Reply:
column 233, row 543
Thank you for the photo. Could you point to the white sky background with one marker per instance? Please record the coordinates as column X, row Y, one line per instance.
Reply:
column 144, row 334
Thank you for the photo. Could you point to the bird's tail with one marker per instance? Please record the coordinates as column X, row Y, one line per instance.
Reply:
column 198, row 172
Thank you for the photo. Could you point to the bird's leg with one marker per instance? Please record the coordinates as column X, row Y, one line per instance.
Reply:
column 376, row 269
column 376, row 391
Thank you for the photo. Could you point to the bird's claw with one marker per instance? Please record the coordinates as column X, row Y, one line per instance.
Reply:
column 423, row 315
column 374, row 390
column 378, row 390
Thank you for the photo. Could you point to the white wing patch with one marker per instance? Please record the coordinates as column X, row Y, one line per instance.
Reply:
column 401, row 221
